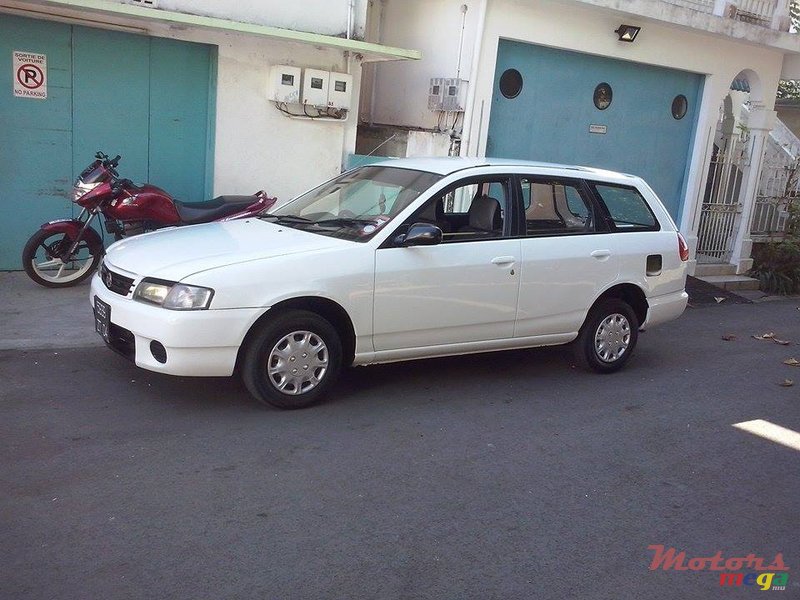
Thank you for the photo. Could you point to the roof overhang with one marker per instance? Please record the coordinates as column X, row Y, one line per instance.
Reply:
column 369, row 52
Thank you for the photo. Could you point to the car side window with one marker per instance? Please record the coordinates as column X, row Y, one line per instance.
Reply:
column 471, row 211
column 555, row 207
column 626, row 207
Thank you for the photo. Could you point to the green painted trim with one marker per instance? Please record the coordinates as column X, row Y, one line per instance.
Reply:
column 211, row 125
column 369, row 50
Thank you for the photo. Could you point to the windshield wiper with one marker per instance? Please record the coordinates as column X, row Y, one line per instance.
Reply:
column 346, row 222
column 286, row 218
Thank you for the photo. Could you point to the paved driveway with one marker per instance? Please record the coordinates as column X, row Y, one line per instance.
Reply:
column 510, row 475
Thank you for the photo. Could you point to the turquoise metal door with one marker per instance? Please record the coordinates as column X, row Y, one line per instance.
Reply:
column 554, row 118
column 35, row 136
column 149, row 99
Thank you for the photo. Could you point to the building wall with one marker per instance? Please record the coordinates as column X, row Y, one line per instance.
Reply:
column 401, row 89
column 328, row 17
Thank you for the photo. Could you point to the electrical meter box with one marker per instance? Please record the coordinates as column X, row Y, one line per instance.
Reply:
column 284, row 84
column 454, row 94
column 315, row 87
column 435, row 91
column 340, row 90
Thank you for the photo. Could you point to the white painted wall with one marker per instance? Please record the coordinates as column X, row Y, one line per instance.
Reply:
column 256, row 146
column 401, row 90
column 328, row 17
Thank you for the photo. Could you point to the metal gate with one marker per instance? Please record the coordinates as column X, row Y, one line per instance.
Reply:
column 721, row 210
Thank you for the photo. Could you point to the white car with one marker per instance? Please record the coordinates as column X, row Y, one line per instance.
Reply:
column 406, row 259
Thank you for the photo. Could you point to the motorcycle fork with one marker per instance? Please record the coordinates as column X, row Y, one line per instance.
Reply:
column 79, row 237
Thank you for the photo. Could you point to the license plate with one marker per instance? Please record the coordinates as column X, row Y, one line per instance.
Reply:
column 102, row 317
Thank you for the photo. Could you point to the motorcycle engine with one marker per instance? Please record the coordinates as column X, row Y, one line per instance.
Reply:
column 133, row 228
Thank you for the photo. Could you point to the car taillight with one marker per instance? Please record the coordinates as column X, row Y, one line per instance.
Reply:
column 683, row 248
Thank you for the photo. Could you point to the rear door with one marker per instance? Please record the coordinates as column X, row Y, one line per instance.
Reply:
column 567, row 255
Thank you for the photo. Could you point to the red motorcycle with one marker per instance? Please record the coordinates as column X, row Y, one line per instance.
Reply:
column 66, row 251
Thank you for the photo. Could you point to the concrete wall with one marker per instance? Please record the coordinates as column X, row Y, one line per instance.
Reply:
column 256, row 146
column 401, row 89
column 789, row 113
column 318, row 16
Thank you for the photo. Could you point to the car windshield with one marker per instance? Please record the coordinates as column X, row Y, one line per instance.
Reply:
column 355, row 205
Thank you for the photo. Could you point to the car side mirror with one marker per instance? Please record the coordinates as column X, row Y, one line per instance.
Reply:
column 420, row 234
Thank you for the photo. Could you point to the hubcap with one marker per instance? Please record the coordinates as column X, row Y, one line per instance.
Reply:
column 612, row 338
column 298, row 363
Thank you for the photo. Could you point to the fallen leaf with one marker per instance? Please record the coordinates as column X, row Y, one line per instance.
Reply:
column 770, row 337
column 764, row 336
column 792, row 362
column 718, row 299
column 786, row 383
column 729, row 337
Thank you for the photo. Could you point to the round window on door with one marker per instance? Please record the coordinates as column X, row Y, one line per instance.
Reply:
column 603, row 94
column 680, row 105
column 511, row 83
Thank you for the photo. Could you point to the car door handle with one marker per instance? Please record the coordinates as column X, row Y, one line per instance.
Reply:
column 601, row 254
column 503, row 260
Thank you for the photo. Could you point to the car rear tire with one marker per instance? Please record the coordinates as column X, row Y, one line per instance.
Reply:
column 293, row 360
column 608, row 336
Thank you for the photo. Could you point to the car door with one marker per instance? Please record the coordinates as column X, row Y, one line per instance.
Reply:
column 459, row 291
column 567, row 257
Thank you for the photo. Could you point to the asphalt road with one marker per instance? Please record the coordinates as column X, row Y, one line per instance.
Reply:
column 511, row 475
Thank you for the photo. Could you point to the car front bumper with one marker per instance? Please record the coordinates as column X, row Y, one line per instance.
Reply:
column 197, row 342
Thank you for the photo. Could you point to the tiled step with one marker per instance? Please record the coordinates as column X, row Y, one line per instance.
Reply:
column 706, row 270
column 731, row 282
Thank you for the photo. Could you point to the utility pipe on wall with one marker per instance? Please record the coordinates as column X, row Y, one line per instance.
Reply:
column 464, row 8
column 351, row 5
column 469, row 109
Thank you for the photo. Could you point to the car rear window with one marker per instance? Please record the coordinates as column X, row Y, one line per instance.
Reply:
column 628, row 209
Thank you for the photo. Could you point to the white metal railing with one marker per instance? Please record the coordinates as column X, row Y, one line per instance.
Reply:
column 706, row 6
column 778, row 189
column 759, row 12
column 786, row 139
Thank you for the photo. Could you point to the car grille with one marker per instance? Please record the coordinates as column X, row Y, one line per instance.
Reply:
column 115, row 282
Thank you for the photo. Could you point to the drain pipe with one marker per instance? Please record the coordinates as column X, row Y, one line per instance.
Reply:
column 351, row 5
column 374, row 65
column 469, row 109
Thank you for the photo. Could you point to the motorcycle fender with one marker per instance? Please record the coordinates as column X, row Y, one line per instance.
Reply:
column 72, row 227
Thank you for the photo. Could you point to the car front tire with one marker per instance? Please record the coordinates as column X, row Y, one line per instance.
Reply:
column 608, row 336
column 293, row 360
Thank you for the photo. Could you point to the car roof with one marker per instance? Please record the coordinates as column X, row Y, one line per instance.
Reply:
column 446, row 165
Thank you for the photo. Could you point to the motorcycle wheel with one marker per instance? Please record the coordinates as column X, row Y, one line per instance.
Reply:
column 40, row 259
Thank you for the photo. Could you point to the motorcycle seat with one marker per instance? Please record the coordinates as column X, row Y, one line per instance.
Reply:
column 192, row 213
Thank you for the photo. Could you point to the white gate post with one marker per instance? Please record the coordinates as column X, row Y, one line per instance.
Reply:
column 760, row 123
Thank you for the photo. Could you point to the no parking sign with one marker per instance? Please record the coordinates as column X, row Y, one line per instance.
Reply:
column 30, row 75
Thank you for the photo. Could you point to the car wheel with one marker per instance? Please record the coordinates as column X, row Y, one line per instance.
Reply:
column 293, row 360
column 608, row 336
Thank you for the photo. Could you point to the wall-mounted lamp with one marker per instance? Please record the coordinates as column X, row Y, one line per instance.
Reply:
column 627, row 33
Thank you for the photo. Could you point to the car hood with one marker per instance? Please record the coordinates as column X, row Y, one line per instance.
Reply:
column 177, row 253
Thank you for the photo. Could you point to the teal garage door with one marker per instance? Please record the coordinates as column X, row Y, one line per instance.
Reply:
column 553, row 116
column 149, row 99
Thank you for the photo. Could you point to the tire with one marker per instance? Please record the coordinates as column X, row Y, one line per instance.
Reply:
column 608, row 336
column 41, row 264
column 287, row 337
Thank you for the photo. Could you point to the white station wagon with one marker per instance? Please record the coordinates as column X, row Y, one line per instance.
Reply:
column 406, row 259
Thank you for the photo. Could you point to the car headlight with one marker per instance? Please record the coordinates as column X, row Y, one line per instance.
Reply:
column 80, row 189
column 172, row 295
